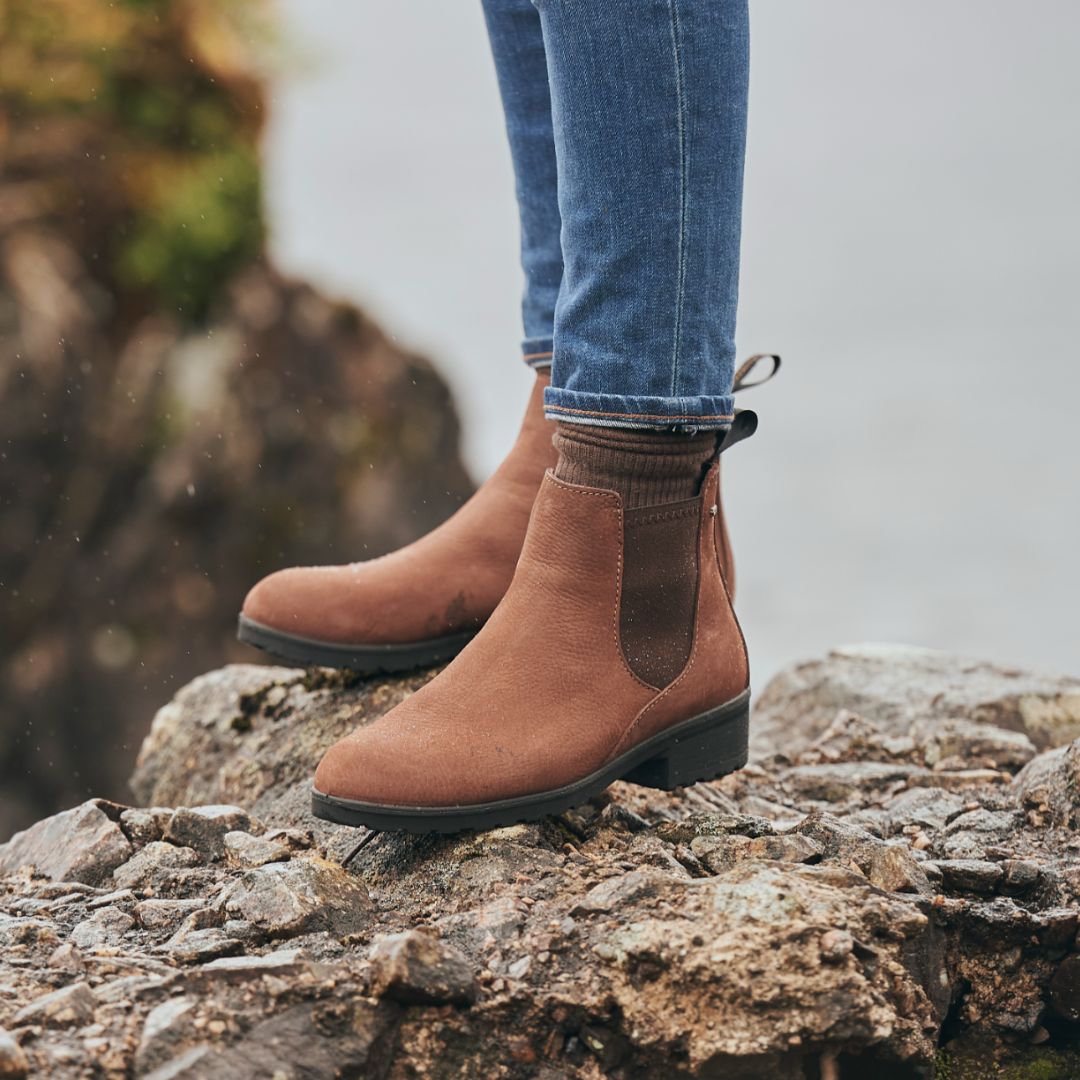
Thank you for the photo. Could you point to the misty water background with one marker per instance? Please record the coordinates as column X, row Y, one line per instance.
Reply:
column 911, row 248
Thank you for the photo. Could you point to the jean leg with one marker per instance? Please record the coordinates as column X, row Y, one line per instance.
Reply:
column 517, row 45
column 649, row 107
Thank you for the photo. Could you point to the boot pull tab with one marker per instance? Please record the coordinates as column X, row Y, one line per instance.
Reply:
column 742, row 427
column 748, row 365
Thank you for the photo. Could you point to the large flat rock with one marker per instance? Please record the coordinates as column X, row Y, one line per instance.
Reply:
column 901, row 686
column 897, row 890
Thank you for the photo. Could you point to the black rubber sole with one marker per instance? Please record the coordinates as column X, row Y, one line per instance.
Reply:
column 366, row 659
column 703, row 747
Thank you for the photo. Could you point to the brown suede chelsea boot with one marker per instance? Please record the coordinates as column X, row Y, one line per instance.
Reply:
column 421, row 604
column 615, row 654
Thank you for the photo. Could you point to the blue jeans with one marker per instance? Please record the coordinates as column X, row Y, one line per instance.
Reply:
column 627, row 127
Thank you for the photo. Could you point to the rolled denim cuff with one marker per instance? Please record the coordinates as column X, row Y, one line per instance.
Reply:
column 536, row 352
column 657, row 413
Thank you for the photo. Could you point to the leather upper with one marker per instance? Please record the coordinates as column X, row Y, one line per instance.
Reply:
column 544, row 694
column 447, row 582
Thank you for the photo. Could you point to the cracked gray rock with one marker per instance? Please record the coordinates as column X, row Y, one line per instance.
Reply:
column 165, row 1029
column 105, row 928
column 144, row 825
column 418, row 969
column 23, row 931
column 275, row 963
column 968, row 875
column 83, row 845
column 927, row 808
column 204, row 828
column 193, row 945
column 1050, row 785
column 243, row 849
column 286, row 899
column 165, row 915
column 157, row 866
column 66, row 1007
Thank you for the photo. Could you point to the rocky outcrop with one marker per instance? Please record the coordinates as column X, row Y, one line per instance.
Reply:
column 178, row 418
column 900, row 688
column 879, row 898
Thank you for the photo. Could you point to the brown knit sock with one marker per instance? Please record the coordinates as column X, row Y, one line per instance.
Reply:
column 645, row 467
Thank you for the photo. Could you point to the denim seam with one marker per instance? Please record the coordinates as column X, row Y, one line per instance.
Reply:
column 680, row 127
column 637, row 416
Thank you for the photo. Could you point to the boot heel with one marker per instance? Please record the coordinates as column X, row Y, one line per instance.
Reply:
column 704, row 754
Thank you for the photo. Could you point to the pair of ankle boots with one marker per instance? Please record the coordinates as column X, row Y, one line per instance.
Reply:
column 591, row 643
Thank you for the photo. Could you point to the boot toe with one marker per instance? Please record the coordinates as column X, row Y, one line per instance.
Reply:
column 321, row 603
column 399, row 760
column 276, row 601
column 333, row 776
column 351, row 770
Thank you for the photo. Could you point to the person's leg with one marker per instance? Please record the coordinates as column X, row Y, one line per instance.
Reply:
column 649, row 102
column 420, row 605
column 517, row 47
column 615, row 652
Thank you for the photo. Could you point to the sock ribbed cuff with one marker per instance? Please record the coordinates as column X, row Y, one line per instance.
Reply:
column 646, row 468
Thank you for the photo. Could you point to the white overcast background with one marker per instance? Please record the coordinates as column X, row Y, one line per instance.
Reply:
column 911, row 248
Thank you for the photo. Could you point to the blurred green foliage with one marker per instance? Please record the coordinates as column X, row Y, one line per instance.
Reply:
column 161, row 97
column 187, row 243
